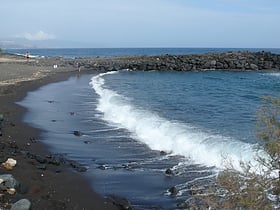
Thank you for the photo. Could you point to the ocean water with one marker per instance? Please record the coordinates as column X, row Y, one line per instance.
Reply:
column 108, row 52
column 136, row 125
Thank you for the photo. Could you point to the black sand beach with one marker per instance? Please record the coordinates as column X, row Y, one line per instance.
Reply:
column 57, row 186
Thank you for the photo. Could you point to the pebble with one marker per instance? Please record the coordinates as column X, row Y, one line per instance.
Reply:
column 9, row 181
column 42, row 167
column 11, row 191
column 1, row 117
column 173, row 190
column 22, row 204
column 77, row 133
column 9, row 164
column 169, row 172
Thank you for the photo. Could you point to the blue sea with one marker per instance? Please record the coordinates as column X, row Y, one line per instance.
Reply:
column 139, row 126
column 109, row 52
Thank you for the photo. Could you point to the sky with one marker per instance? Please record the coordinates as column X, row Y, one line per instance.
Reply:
column 143, row 23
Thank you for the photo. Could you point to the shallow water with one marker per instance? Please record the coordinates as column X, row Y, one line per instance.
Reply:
column 127, row 118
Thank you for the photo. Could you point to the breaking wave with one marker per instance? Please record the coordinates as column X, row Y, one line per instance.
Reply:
column 200, row 146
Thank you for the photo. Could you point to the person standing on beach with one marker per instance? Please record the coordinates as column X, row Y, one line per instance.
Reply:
column 79, row 67
column 27, row 55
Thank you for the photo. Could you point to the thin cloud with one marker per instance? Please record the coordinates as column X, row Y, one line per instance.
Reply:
column 38, row 36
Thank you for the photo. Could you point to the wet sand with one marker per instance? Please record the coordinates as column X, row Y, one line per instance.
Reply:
column 58, row 186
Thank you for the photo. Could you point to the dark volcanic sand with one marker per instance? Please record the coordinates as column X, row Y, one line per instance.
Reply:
column 57, row 187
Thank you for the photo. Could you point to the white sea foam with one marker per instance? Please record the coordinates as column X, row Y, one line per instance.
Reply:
column 158, row 133
column 275, row 74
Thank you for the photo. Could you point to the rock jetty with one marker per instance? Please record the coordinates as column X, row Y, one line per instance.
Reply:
column 231, row 61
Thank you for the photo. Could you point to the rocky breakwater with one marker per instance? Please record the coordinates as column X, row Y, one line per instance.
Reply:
column 231, row 61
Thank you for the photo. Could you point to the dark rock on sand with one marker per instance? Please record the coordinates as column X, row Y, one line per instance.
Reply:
column 169, row 172
column 122, row 203
column 1, row 122
column 173, row 190
column 28, row 154
column 81, row 169
column 1, row 118
column 41, row 167
column 40, row 159
column 32, row 140
column 102, row 167
column 162, row 153
column 77, row 133
column 77, row 166
column 56, row 159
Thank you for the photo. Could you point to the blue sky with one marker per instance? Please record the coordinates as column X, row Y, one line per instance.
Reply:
column 143, row 23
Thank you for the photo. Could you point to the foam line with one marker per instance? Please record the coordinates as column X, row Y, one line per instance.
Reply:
column 162, row 134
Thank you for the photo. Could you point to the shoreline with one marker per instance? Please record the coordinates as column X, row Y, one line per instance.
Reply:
column 60, row 187
column 57, row 187
column 224, row 61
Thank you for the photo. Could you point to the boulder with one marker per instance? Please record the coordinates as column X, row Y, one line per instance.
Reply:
column 213, row 63
column 268, row 65
column 219, row 65
column 254, row 66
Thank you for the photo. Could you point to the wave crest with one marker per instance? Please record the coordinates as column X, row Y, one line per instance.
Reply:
column 200, row 146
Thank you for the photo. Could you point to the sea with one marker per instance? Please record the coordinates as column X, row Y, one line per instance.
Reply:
column 151, row 136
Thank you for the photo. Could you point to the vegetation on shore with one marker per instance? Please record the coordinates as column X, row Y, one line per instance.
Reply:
column 253, row 188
